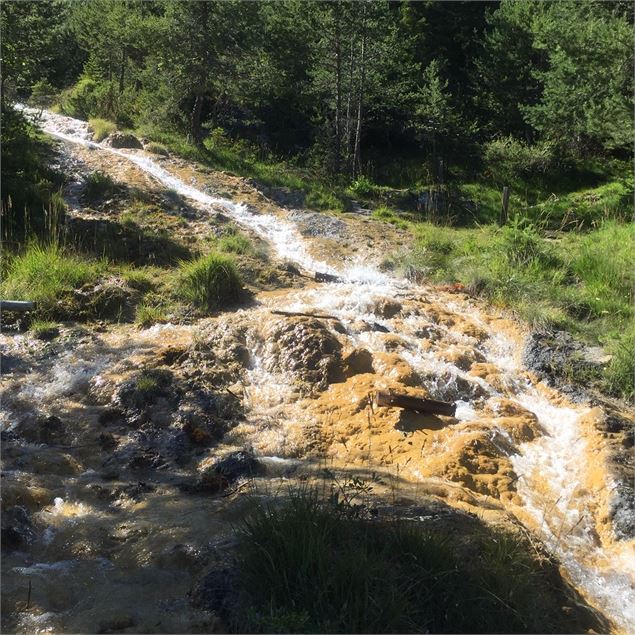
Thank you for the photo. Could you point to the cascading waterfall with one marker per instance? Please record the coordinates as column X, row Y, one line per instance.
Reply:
column 606, row 575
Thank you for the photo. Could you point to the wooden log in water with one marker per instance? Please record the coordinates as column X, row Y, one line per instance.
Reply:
column 301, row 314
column 416, row 404
column 16, row 305
column 326, row 277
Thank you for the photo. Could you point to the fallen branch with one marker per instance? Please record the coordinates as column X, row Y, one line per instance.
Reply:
column 416, row 404
column 16, row 305
column 300, row 314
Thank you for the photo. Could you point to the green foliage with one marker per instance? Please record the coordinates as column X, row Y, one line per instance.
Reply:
column 45, row 274
column 210, row 282
column 101, row 128
column 511, row 159
column 311, row 566
column 235, row 244
column 44, row 329
column 98, row 185
column 81, row 100
column 363, row 187
column 31, row 203
column 147, row 314
column 156, row 148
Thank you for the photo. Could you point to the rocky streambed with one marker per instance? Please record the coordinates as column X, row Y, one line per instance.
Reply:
column 129, row 454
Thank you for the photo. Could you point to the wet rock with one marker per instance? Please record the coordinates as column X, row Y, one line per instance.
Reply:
column 395, row 367
column 111, row 416
column 447, row 386
column 387, row 308
column 214, row 592
column 206, row 417
column 218, row 474
column 358, row 361
column 117, row 624
column 42, row 429
column 148, row 396
column 123, row 140
column 306, row 348
column 315, row 225
column 622, row 511
column 17, row 529
column 180, row 557
column 10, row 363
column 220, row 355
column 558, row 359
column 284, row 196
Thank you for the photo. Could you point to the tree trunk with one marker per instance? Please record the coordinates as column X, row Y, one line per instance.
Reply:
column 195, row 129
column 122, row 71
column 338, row 89
column 357, row 158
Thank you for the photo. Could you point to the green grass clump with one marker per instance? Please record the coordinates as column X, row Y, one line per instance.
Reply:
column 45, row 274
column 210, row 282
column 44, row 329
column 139, row 279
column 390, row 216
column 310, row 566
column 235, row 244
column 97, row 185
column 147, row 315
column 156, row 148
column 101, row 128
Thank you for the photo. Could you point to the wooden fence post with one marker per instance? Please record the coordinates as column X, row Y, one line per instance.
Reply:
column 504, row 207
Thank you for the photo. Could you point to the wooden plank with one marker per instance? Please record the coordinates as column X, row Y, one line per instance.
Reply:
column 16, row 305
column 416, row 404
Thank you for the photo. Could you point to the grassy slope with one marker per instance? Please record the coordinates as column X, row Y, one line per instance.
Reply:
column 580, row 282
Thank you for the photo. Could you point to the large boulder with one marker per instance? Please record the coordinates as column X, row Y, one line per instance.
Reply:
column 307, row 349
column 123, row 140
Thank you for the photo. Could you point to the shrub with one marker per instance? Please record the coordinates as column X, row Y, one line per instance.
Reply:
column 97, row 185
column 209, row 282
column 81, row 100
column 363, row 186
column 509, row 158
column 43, row 94
column 156, row 148
column 101, row 128
column 45, row 274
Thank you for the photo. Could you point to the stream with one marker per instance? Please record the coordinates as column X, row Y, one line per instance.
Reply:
column 132, row 539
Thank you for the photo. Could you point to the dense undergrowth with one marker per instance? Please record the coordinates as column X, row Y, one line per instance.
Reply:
column 309, row 565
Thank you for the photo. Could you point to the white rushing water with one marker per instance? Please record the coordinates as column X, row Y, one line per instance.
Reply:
column 555, row 458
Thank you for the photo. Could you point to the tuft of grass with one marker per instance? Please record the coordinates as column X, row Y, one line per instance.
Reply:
column 147, row 315
column 44, row 329
column 390, row 216
column 209, row 282
column 139, row 279
column 156, row 148
column 46, row 274
column 97, row 185
column 314, row 566
column 235, row 244
column 101, row 128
